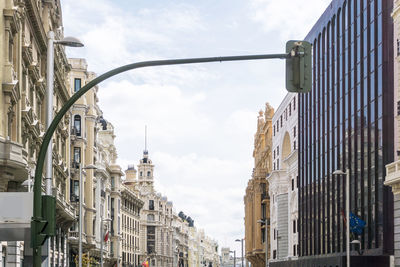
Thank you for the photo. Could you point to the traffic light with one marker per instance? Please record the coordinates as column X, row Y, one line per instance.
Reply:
column 298, row 66
column 46, row 226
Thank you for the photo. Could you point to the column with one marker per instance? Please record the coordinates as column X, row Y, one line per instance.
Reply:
column 13, row 254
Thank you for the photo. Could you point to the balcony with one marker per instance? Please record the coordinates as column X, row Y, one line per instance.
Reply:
column 14, row 157
column 64, row 208
column 393, row 176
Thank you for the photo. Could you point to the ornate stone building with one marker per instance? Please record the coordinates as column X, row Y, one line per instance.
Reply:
column 256, row 200
column 92, row 144
column 131, row 206
column 283, row 181
column 24, row 26
column 156, row 231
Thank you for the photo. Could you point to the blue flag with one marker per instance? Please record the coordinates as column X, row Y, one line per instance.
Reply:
column 356, row 224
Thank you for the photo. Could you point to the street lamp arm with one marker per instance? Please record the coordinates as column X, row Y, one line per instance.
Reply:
column 99, row 79
column 37, row 200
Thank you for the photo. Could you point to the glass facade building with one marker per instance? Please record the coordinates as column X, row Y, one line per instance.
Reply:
column 346, row 122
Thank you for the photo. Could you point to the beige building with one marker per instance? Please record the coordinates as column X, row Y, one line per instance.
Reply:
column 194, row 248
column 131, row 206
column 257, row 199
column 92, row 144
column 24, row 27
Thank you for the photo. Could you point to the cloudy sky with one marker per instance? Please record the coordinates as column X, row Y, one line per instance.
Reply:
column 201, row 119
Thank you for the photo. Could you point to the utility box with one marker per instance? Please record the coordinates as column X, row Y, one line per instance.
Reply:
column 16, row 210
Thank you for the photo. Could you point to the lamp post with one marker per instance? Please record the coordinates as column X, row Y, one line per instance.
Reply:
column 89, row 167
column 347, row 173
column 102, row 238
column 67, row 41
column 234, row 257
column 241, row 241
column 265, row 221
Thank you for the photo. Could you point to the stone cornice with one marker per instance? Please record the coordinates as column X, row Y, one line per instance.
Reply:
column 395, row 12
column 393, row 176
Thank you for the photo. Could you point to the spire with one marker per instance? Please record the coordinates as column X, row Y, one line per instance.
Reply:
column 145, row 152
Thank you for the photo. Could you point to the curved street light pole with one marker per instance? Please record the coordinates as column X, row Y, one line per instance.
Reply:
column 38, row 223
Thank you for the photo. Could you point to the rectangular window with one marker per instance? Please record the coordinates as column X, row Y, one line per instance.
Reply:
column 294, row 144
column 77, row 84
column 281, row 121
column 277, row 164
column 290, row 109
column 294, row 131
column 292, row 184
column 294, row 250
column 77, row 125
column 277, row 150
column 398, row 47
column 77, row 155
column 294, row 226
column 274, row 130
column 151, row 204
column 294, row 103
column 274, row 234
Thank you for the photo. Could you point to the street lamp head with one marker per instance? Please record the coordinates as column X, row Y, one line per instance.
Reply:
column 89, row 167
column 261, row 221
column 338, row 172
column 70, row 41
column 238, row 240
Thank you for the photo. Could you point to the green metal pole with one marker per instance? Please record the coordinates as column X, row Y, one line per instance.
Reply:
column 37, row 222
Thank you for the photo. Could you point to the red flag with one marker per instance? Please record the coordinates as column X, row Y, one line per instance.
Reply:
column 106, row 236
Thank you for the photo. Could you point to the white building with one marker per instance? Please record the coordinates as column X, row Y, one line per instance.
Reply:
column 156, row 231
column 283, row 181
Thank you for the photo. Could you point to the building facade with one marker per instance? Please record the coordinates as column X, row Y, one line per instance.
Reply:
column 92, row 144
column 256, row 200
column 282, row 181
column 346, row 122
column 24, row 26
column 156, row 231
column 131, row 206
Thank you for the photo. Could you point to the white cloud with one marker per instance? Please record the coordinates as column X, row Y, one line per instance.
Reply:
column 290, row 19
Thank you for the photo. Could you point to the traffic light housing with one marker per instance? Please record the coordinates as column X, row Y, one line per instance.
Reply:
column 298, row 67
column 44, row 227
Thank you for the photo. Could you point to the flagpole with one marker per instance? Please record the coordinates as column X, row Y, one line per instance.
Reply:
column 101, row 242
column 102, row 237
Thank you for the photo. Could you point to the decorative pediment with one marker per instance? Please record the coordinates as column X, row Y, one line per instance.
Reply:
column 12, row 89
column 34, row 70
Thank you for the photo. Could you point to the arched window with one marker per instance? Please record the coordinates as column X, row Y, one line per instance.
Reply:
column 77, row 125
column 148, row 174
